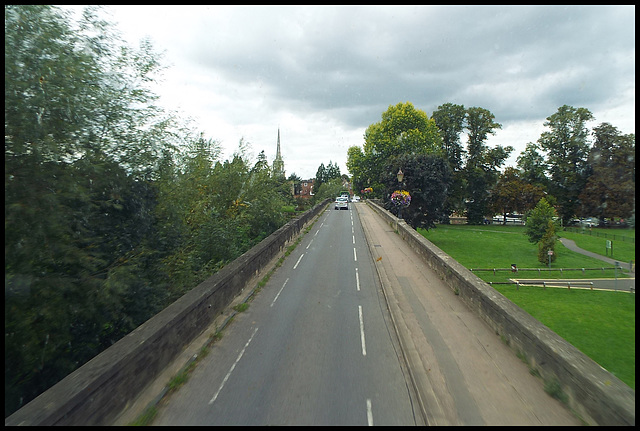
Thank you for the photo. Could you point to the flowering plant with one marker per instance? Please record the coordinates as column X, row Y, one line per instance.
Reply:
column 367, row 190
column 401, row 198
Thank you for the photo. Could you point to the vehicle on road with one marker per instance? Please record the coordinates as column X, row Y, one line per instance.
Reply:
column 355, row 198
column 342, row 203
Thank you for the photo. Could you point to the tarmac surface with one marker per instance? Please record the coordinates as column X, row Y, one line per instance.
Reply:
column 462, row 371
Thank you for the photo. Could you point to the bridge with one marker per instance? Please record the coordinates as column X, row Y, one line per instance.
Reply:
column 363, row 323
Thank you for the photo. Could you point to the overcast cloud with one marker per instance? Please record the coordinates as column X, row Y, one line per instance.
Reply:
column 323, row 74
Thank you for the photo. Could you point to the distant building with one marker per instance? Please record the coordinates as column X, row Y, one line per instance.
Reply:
column 278, row 163
column 304, row 189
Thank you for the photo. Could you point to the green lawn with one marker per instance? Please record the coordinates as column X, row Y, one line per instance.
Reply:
column 621, row 250
column 600, row 324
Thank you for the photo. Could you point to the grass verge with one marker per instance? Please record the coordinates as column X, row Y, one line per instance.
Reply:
column 600, row 324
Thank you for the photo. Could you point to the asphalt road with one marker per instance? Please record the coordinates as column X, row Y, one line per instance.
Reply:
column 315, row 347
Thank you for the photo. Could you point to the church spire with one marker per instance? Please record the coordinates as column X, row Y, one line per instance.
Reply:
column 278, row 163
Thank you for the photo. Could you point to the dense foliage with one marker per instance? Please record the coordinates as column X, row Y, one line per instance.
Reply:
column 113, row 207
column 577, row 178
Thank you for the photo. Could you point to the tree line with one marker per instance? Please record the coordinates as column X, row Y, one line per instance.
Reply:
column 114, row 207
column 577, row 176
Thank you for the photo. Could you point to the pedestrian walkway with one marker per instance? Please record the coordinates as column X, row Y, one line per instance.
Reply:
column 571, row 245
column 462, row 372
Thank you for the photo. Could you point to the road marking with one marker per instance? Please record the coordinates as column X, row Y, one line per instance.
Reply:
column 364, row 347
column 274, row 299
column 233, row 367
column 299, row 259
column 354, row 238
column 355, row 256
column 309, row 244
column 357, row 280
column 369, row 413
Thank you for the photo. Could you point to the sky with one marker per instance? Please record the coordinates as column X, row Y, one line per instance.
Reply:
column 322, row 74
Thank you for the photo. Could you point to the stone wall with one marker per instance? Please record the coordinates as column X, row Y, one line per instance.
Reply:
column 96, row 392
column 594, row 393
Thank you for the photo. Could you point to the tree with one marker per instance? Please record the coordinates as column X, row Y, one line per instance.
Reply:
column 567, row 151
column 450, row 119
column 333, row 171
column 81, row 137
column 481, row 169
column 548, row 244
column 329, row 189
column 537, row 220
column 512, row 194
column 105, row 222
column 402, row 130
column 321, row 176
column 427, row 178
column 610, row 190
column 532, row 166
column 357, row 167
column 480, row 123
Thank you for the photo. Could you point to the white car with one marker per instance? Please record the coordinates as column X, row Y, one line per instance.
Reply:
column 342, row 203
column 355, row 198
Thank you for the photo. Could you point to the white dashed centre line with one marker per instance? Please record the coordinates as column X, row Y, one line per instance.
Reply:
column 364, row 347
column 233, row 367
column 274, row 299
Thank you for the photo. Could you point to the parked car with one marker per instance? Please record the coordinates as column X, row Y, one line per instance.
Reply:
column 590, row 222
column 342, row 203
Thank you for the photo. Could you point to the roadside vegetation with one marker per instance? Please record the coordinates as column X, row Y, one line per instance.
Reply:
column 114, row 208
column 601, row 324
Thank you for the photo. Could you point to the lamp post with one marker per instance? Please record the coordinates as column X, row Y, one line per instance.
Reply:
column 400, row 176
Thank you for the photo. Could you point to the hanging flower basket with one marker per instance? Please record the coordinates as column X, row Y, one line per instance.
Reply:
column 401, row 198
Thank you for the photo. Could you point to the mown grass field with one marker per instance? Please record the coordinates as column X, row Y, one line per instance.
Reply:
column 600, row 324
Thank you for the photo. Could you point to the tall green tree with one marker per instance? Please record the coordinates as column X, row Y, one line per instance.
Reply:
column 480, row 124
column 482, row 163
column 537, row 220
column 450, row 119
column 333, row 171
column 532, row 166
column 547, row 244
column 321, row 176
column 402, row 130
column 610, row 189
column 567, row 153
column 357, row 167
column 80, row 138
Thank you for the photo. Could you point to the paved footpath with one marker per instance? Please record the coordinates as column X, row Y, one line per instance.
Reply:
column 462, row 371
